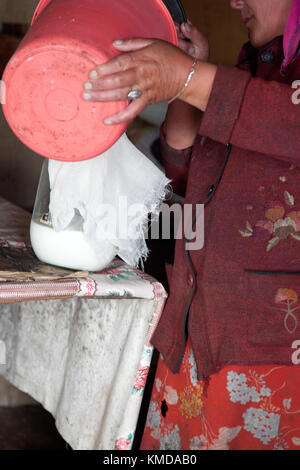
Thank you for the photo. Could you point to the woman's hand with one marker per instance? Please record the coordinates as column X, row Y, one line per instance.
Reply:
column 192, row 41
column 183, row 120
column 156, row 68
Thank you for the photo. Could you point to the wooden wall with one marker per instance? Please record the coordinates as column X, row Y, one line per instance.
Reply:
column 221, row 24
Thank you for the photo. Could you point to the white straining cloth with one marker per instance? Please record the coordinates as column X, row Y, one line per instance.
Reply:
column 114, row 193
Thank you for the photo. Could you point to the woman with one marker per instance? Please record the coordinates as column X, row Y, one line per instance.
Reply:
column 230, row 141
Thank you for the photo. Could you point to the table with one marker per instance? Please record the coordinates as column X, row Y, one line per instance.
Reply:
column 80, row 347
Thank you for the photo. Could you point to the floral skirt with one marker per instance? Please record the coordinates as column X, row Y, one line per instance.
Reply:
column 242, row 408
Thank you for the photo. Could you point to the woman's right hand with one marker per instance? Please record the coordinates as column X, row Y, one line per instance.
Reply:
column 183, row 120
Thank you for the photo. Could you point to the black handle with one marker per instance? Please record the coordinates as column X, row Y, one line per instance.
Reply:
column 177, row 11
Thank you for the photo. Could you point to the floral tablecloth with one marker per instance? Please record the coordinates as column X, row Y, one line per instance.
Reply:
column 80, row 347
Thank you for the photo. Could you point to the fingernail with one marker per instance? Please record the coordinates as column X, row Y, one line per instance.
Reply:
column 187, row 27
column 108, row 122
column 88, row 86
column 86, row 96
column 118, row 42
column 93, row 75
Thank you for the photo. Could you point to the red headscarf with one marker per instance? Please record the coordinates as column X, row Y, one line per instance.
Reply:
column 291, row 38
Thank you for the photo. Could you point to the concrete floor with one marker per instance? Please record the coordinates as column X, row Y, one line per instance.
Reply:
column 29, row 428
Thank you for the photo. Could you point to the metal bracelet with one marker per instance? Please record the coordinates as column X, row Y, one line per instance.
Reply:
column 192, row 72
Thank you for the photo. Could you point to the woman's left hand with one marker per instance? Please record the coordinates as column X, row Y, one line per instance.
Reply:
column 154, row 67
column 192, row 41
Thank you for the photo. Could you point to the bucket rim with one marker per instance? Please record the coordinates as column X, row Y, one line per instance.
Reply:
column 41, row 6
column 44, row 3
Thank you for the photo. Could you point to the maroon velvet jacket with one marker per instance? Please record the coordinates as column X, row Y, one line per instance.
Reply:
column 239, row 301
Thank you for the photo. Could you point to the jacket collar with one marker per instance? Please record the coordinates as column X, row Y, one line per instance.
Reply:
column 266, row 62
column 250, row 56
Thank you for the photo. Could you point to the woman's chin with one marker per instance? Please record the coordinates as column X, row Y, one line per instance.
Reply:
column 259, row 38
column 256, row 39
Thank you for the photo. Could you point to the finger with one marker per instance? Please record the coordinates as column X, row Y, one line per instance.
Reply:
column 116, row 80
column 132, row 44
column 192, row 50
column 124, row 61
column 178, row 31
column 128, row 114
column 119, row 94
column 197, row 37
column 184, row 45
column 115, row 65
column 192, row 33
column 186, row 30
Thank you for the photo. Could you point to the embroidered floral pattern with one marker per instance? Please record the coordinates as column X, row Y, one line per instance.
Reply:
column 193, row 369
column 263, row 425
column 288, row 298
column 141, row 379
column 124, row 444
column 279, row 223
column 191, row 401
column 87, row 287
column 170, row 440
column 119, row 274
column 242, row 408
column 244, row 389
column 221, row 442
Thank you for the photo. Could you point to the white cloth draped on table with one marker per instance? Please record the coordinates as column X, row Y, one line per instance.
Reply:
column 79, row 358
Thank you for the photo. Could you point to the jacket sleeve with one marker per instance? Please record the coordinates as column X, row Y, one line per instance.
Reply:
column 253, row 114
column 176, row 164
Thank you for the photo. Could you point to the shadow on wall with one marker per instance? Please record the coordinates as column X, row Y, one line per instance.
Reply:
column 19, row 166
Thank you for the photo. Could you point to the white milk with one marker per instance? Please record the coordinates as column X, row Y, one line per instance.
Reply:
column 69, row 249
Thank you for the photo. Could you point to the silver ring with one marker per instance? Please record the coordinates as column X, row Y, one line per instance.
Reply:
column 134, row 94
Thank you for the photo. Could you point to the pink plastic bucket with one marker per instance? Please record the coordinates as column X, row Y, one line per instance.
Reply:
column 44, row 79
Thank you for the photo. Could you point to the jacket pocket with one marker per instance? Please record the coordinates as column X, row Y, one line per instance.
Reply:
column 272, row 305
